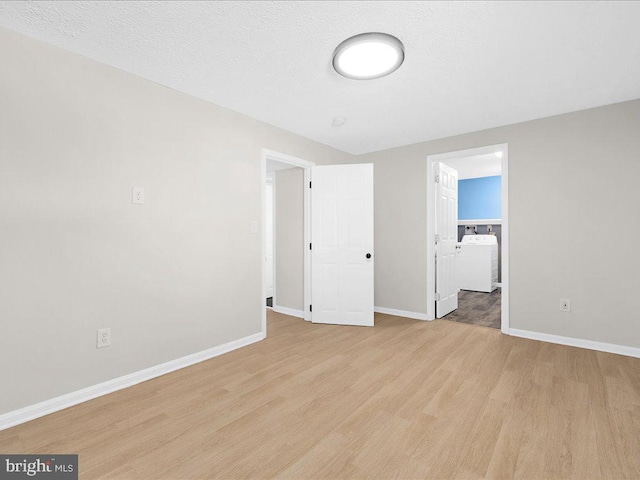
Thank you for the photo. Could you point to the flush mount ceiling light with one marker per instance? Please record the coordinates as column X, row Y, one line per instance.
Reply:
column 368, row 56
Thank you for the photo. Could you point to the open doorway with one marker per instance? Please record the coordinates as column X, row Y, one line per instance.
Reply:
column 269, row 237
column 284, row 238
column 467, row 231
column 341, row 249
column 286, row 230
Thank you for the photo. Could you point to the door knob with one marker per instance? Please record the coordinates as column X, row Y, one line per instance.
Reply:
column 368, row 255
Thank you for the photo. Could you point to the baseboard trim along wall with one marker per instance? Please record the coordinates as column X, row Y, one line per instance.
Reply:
column 400, row 313
column 41, row 409
column 292, row 312
column 577, row 342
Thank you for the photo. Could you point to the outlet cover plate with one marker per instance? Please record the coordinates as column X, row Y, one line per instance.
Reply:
column 137, row 195
column 103, row 338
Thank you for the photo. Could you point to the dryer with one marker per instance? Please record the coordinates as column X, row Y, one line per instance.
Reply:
column 477, row 263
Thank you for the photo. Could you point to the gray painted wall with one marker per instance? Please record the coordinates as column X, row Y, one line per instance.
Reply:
column 178, row 275
column 289, row 213
column 175, row 276
column 573, row 182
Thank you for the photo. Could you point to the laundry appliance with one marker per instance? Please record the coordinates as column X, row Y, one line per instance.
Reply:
column 477, row 263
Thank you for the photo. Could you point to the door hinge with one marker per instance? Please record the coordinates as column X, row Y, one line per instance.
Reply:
column 437, row 238
column 309, row 184
column 438, row 178
column 310, row 247
column 311, row 308
column 437, row 297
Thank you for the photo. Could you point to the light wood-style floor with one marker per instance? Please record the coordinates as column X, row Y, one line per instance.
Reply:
column 405, row 399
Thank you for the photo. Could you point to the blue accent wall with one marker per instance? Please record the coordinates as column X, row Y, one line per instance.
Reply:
column 480, row 198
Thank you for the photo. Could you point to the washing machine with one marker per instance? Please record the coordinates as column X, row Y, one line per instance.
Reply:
column 477, row 263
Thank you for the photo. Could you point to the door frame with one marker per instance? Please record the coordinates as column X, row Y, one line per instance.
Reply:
column 431, row 226
column 306, row 165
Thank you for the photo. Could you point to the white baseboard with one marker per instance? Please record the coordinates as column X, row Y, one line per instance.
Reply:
column 31, row 412
column 400, row 313
column 288, row 311
column 577, row 342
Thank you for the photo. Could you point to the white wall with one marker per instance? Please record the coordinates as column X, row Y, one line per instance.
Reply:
column 290, row 238
column 573, row 183
column 176, row 276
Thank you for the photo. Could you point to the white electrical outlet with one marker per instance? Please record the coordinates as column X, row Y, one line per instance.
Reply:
column 137, row 195
column 565, row 305
column 104, row 338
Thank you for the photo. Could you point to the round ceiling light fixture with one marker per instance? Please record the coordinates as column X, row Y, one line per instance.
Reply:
column 368, row 56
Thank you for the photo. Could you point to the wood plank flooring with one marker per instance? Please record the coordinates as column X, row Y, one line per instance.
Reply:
column 405, row 399
column 478, row 308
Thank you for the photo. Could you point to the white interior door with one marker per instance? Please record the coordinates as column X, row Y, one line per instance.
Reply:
column 342, row 244
column 446, row 239
column 269, row 235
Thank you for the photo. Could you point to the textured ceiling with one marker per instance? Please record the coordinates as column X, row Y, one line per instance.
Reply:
column 469, row 65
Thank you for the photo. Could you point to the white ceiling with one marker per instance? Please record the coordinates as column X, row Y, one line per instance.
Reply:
column 487, row 165
column 469, row 65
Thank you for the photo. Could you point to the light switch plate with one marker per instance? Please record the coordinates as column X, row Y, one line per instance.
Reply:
column 137, row 195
